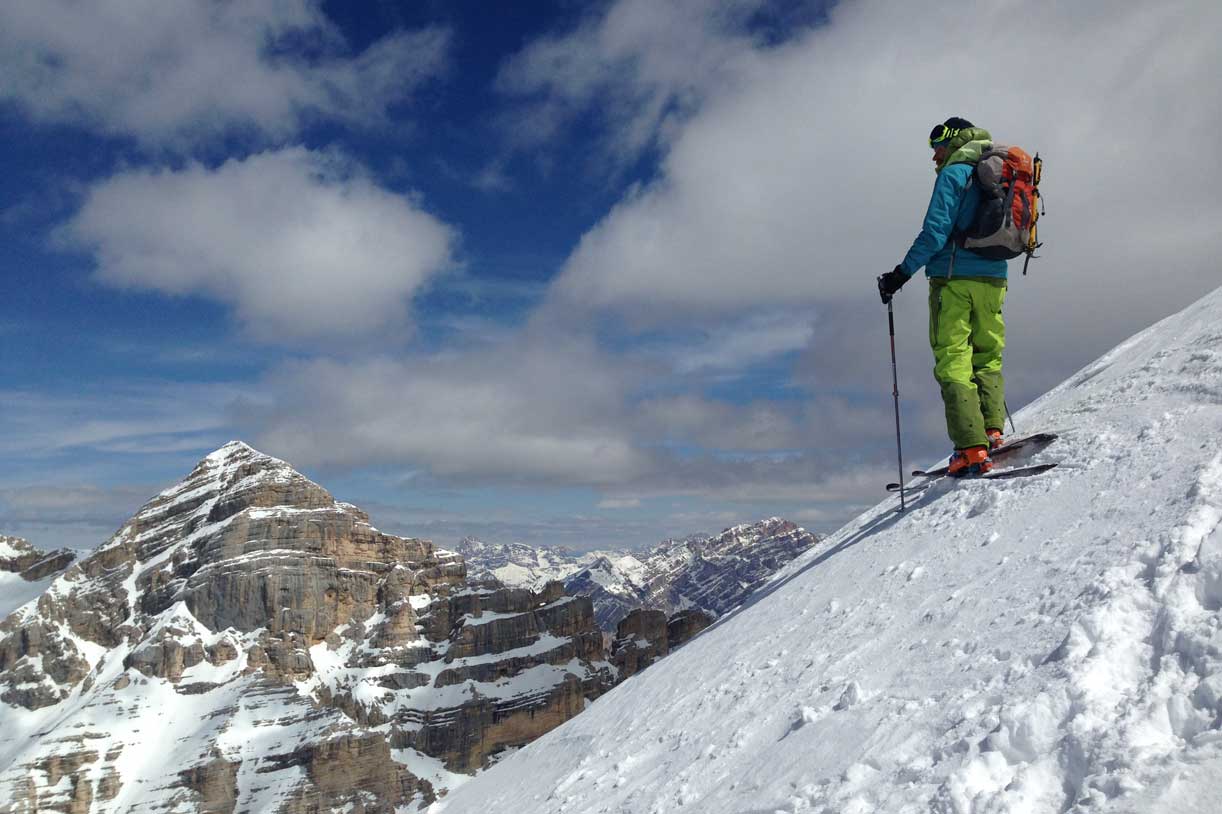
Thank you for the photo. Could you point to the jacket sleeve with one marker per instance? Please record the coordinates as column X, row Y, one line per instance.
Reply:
column 939, row 219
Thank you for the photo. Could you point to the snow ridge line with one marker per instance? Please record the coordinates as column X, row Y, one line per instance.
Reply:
column 1141, row 682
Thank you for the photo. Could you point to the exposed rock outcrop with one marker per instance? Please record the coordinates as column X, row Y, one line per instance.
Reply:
column 685, row 625
column 644, row 636
column 640, row 640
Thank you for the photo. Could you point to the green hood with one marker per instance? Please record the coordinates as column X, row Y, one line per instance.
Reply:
column 967, row 147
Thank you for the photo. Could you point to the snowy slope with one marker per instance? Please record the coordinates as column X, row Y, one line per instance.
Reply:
column 15, row 591
column 1042, row 645
column 26, row 571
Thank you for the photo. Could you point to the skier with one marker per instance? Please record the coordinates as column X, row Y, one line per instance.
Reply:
column 966, row 294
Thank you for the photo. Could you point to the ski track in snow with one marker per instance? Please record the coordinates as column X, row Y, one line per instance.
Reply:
column 1049, row 644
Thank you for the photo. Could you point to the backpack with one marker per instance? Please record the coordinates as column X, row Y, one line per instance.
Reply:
column 1004, row 226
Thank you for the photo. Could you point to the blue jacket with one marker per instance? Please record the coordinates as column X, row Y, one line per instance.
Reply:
column 951, row 208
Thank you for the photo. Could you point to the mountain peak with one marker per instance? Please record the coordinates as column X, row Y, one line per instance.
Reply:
column 234, row 446
column 239, row 452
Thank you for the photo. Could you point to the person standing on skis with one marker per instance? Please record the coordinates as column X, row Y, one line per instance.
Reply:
column 966, row 295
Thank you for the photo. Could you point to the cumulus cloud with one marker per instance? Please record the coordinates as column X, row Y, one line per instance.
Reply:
column 791, row 174
column 828, row 423
column 529, row 410
column 807, row 174
column 802, row 173
column 177, row 72
column 548, row 409
column 302, row 244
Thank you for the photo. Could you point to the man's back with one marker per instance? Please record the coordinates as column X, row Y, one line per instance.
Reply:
column 951, row 209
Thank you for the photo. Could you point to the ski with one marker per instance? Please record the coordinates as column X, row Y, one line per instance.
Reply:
column 997, row 474
column 1036, row 441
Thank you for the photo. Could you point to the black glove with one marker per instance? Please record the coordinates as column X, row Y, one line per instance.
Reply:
column 890, row 283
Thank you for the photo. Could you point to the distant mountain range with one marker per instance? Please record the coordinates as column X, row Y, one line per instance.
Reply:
column 710, row 573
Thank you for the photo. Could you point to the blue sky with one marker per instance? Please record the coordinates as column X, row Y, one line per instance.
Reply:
column 578, row 273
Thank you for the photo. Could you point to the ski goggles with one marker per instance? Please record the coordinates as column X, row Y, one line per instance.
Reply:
column 940, row 135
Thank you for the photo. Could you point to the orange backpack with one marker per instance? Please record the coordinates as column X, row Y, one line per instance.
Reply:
column 1004, row 226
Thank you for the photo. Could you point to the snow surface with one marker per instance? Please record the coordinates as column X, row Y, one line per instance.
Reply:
column 1047, row 644
column 16, row 591
column 8, row 551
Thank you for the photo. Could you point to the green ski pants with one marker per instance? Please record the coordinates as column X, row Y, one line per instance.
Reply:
column 967, row 333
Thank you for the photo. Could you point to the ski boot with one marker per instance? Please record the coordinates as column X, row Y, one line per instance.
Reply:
column 969, row 463
column 995, row 439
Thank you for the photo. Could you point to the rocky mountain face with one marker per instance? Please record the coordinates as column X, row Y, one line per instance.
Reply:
column 716, row 574
column 644, row 636
column 713, row 574
column 248, row 643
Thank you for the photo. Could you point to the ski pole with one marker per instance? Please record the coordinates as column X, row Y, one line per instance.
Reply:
column 1012, row 427
column 895, row 391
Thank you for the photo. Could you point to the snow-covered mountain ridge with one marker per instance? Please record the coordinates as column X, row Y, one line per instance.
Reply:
column 1049, row 644
column 518, row 565
column 709, row 573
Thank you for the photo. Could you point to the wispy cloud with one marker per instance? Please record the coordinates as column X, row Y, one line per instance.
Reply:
column 735, row 345
column 66, row 504
column 137, row 418
column 619, row 503
column 639, row 67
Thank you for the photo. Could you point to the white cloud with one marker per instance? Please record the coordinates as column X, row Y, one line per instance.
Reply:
column 546, row 409
column 302, row 244
column 611, row 503
column 524, row 411
column 791, row 175
column 807, row 175
column 120, row 417
column 736, row 345
column 65, row 504
column 642, row 66
column 177, row 72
